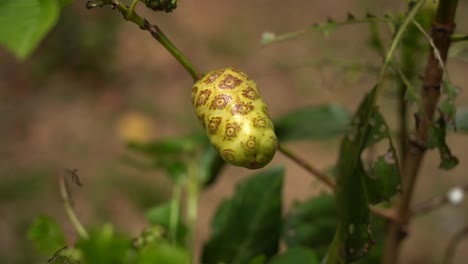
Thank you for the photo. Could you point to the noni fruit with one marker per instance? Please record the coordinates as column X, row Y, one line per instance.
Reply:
column 235, row 117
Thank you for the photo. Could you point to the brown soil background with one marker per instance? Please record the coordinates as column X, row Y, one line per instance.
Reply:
column 64, row 115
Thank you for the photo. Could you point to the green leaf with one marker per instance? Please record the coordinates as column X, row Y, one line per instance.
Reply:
column 296, row 255
column 357, row 186
column 437, row 134
column 311, row 224
column 64, row 3
column 25, row 23
column 315, row 122
column 167, row 146
column 163, row 253
column 46, row 233
column 211, row 165
column 261, row 259
column 105, row 247
column 379, row 227
column 248, row 224
column 161, row 215
column 447, row 106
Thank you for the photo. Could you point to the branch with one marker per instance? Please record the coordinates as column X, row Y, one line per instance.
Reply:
column 318, row 174
column 454, row 196
column 129, row 14
column 456, row 239
column 442, row 29
column 458, row 38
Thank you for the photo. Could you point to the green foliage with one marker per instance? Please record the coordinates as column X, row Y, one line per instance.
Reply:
column 46, row 234
column 169, row 154
column 163, row 253
column 296, row 255
column 211, row 165
column 247, row 227
column 357, row 187
column 437, row 133
column 311, row 224
column 302, row 123
column 249, row 223
column 26, row 28
column 105, row 246
column 161, row 215
column 173, row 155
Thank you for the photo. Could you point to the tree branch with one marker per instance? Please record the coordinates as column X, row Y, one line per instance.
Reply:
column 442, row 29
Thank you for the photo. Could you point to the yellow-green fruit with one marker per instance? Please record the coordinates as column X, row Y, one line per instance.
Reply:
column 235, row 117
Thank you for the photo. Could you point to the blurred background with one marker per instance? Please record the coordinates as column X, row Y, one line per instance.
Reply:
column 97, row 81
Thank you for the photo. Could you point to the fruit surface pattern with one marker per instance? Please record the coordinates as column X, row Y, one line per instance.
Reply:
column 235, row 118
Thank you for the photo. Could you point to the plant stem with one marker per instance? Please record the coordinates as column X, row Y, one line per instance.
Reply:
column 130, row 15
column 318, row 174
column 443, row 27
column 69, row 208
column 458, row 38
column 192, row 205
column 175, row 211
column 439, row 201
column 454, row 242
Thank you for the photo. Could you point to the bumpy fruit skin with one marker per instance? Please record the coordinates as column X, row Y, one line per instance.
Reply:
column 235, row 117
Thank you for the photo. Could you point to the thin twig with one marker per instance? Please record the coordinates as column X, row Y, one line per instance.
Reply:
column 388, row 214
column 459, row 38
column 453, row 196
column 452, row 246
column 66, row 197
column 318, row 174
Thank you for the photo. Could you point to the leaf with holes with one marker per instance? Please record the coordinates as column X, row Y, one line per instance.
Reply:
column 360, row 185
column 447, row 106
column 437, row 134
column 249, row 223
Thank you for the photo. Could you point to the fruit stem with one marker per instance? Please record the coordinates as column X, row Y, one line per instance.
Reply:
column 129, row 14
column 315, row 172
